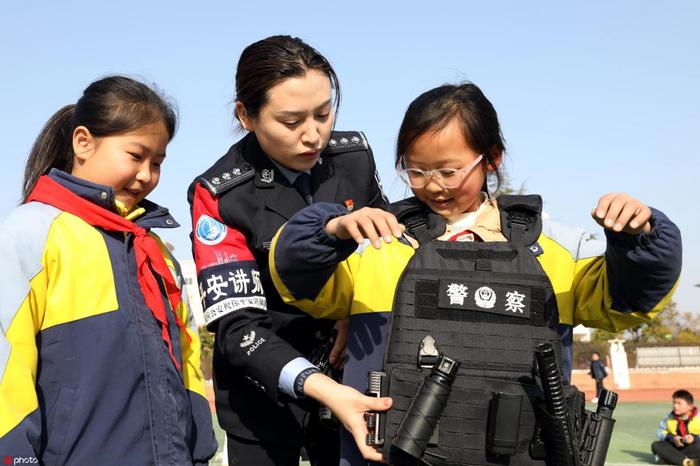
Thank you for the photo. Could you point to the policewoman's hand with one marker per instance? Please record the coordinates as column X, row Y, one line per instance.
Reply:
column 620, row 212
column 370, row 223
column 349, row 406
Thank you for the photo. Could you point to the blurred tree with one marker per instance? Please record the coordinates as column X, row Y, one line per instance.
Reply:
column 506, row 186
column 602, row 336
column 670, row 326
column 207, row 351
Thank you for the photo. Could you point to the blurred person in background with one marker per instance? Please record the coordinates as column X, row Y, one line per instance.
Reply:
column 597, row 371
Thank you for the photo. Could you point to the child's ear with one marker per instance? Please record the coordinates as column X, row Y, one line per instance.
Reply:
column 496, row 157
column 246, row 121
column 83, row 143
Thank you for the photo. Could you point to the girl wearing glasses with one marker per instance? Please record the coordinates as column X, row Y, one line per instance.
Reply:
column 448, row 144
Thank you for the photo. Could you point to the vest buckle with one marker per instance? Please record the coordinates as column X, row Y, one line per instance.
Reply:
column 428, row 353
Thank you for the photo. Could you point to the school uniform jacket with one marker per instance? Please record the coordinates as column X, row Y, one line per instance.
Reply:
column 672, row 426
column 237, row 207
column 85, row 376
column 611, row 285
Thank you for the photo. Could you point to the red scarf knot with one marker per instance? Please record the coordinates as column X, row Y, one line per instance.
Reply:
column 683, row 424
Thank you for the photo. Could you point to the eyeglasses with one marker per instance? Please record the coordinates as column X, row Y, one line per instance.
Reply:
column 448, row 178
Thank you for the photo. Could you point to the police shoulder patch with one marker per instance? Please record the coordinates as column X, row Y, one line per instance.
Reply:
column 220, row 182
column 209, row 230
column 346, row 141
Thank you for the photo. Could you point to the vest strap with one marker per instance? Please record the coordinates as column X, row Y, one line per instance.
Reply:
column 521, row 217
column 420, row 222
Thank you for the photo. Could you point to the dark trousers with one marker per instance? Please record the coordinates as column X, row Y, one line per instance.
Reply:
column 670, row 454
column 321, row 443
column 598, row 387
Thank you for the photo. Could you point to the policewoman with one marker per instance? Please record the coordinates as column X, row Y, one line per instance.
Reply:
column 287, row 96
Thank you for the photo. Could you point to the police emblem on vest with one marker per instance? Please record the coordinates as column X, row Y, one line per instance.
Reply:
column 466, row 320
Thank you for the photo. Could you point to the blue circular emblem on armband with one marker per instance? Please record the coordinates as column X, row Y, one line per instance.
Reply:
column 209, row 230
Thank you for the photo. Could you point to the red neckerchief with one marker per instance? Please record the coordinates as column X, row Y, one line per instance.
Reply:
column 683, row 424
column 148, row 253
column 458, row 236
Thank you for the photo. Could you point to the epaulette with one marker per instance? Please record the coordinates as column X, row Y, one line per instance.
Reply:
column 219, row 183
column 346, row 141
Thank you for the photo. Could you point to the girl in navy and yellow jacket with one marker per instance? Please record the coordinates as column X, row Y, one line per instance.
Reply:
column 449, row 141
column 99, row 355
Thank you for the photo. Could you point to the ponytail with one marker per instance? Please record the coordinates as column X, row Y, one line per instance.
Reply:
column 109, row 106
column 53, row 148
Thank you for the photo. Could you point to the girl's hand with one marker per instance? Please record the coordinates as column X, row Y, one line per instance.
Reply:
column 367, row 222
column 689, row 439
column 678, row 441
column 337, row 355
column 621, row 212
column 349, row 406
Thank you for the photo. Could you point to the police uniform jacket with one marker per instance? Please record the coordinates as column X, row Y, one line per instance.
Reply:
column 85, row 377
column 237, row 207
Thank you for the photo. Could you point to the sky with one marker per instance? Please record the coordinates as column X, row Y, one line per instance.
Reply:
column 593, row 97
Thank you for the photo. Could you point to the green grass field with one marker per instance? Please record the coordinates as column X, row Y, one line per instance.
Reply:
column 635, row 429
column 634, row 432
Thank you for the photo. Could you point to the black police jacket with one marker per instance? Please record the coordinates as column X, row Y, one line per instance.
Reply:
column 237, row 207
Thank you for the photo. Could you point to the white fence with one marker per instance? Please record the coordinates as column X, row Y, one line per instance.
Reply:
column 668, row 356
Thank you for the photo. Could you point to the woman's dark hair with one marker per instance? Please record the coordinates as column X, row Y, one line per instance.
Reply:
column 109, row 106
column 434, row 109
column 266, row 63
column 683, row 395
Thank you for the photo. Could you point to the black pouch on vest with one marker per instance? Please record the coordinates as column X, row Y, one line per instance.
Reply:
column 503, row 424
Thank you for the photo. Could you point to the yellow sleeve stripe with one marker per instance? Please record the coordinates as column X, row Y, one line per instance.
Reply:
column 381, row 271
column 363, row 283
column 332, row 302
column 191, row 350
column 582, row 289
column 191, row 366
column 18, row 396
column 78, row 285
column 279, row 284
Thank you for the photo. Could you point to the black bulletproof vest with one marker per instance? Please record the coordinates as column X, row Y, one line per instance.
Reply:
column 487, row 306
